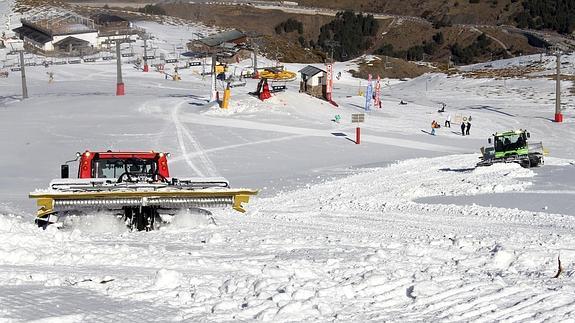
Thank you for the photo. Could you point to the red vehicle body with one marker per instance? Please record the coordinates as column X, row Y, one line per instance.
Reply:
column 135, row 186
column 113, row 164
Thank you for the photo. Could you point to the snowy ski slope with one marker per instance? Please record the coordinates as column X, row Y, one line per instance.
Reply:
column 400, row 228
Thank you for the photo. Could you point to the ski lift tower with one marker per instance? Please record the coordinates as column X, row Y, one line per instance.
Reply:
column 146, row 37
column 558, row 114
column 19, row 47
column 331, row 44
column 120, row 89
column 214, row 80
column 254, row 46
column 255, row 62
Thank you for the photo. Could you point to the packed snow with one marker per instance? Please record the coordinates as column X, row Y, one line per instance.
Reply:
column 402, row 227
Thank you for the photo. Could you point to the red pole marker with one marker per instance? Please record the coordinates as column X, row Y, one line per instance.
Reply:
column 120, row 89
column 357, row 135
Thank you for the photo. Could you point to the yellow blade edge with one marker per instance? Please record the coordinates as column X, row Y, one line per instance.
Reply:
column 45, row 201
column 238, row 200
column 45, row 206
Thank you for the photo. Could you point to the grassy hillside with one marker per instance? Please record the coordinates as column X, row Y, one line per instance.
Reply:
column 403, row 35
column 454, row 31
column 456, row 11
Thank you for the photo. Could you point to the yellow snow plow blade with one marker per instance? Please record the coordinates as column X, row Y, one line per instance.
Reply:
column 50, row 202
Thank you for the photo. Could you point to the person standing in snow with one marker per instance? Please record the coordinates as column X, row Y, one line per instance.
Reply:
column 463, row 128
column 448, row 121
column 468, row 127
column 434, row 125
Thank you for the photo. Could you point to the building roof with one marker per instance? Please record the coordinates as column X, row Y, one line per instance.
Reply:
column 223, row 37
column 57, row 21
column 103, row 18
column 78, row 29
column 72, row 40
column 311, row 70
column 31, row 33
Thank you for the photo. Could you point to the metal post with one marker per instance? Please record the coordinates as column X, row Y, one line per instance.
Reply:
column 256, row 62
column 214, row 80
column 558, row 115
column 23, row 73
column 385, row 64
column 204, row 67
column 120, row 83
column 146, row 68
column 331, row 55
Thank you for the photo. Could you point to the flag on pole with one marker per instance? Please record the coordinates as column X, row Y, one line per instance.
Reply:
column 368, row 94
column 378, row 93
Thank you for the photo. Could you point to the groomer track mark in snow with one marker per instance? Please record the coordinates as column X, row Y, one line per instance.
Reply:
column 186, row 138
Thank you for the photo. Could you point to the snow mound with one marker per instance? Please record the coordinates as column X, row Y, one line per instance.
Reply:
column 249, row 105
column 101, row 222
column 397, row 185
column 189, row 219
column 167, row 279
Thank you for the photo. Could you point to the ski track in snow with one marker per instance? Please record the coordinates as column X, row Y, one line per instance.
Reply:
column 185, row 138
column 223, row 148
column 244, row 124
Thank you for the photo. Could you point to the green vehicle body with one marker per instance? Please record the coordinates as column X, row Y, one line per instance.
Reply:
column 512, row 146
column 510, row 143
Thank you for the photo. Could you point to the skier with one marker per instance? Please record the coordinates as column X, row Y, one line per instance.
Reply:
column 50, row 77
column 463, row 128
column 468, row 127
column 442, row 108
column 434, row 125
column 448, row 121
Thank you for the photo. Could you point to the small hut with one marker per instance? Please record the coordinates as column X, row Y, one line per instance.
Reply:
column 313, row 81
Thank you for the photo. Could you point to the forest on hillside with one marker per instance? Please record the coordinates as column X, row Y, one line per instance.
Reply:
column 558, row 15
column 348, row 35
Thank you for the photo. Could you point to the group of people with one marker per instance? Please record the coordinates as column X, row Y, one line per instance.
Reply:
column 465, row 124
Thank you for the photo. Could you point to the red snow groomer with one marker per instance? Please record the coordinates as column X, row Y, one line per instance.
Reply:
column 134, row 185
